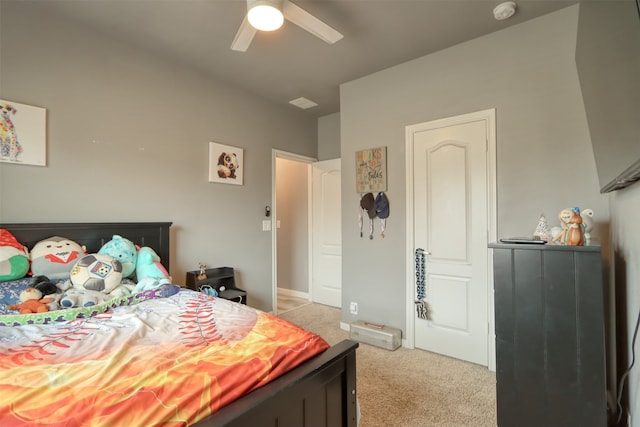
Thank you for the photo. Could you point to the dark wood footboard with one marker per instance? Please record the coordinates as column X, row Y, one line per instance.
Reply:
column 320, row 392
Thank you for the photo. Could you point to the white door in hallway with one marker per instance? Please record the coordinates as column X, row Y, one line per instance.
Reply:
column 326, row 234
column 450, row 192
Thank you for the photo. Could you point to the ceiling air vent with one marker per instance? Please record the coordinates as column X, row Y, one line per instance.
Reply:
column 303, row 103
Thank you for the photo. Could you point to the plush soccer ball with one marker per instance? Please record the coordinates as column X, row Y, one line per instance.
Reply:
column 97, row 272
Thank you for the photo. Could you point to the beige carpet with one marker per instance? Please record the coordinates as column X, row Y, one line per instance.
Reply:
column 409, row 388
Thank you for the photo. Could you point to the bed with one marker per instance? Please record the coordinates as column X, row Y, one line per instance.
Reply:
column 102, row 370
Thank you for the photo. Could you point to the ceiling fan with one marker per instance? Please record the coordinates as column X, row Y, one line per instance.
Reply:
column 278, row 10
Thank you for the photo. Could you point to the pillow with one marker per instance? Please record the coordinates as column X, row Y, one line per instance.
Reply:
column 54, row 257
column 14, row 258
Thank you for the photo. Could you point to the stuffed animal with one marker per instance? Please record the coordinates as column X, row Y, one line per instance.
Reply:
column 44, row 285
column 48, row 289
column 587, row 224
column 575, row 227
column 150, row 273
column 560, row 233
column 227, row 165
column 149, row 265
column 14, row 257
column 54, row 257
column 124, row 251
column 32, row 302
column 95, row 279
column 76, row 297
column 575, row 232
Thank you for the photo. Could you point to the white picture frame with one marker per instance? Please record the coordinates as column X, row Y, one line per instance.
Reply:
column 23, row 134
column 226, row 164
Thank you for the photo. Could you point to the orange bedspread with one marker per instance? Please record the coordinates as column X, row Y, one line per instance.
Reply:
column 169, row 361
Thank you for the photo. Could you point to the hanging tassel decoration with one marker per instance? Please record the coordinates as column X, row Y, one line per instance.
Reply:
column 422, row 309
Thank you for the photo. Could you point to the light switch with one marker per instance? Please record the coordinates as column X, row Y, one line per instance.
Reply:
column 266, row 225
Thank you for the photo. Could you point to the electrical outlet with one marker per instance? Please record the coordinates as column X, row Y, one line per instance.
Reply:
column 353, row 308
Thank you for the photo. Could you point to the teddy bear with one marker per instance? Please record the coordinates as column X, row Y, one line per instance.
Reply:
column 228, row 165
column 32, row 302
column 14, row 257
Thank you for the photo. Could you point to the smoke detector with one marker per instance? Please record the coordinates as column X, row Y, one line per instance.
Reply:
column 504, row 10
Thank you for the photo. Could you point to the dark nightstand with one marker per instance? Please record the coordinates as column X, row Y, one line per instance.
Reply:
column 222, row 279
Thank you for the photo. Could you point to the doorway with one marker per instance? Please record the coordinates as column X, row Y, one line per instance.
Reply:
column 306, row 231
column 451, row 217
column 290, row 213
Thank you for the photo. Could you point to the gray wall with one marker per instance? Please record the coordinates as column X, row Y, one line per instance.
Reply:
column 625, row 231
column 329, row 137
column 128, row 140
column 544, row 157
column 608, row 61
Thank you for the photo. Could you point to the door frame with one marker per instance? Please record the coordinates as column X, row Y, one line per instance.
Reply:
column 279, row 154
column 489, row 116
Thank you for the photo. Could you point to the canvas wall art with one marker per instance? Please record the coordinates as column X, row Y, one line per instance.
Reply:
column 23, row 136
column 226, row 164
column 371, row 170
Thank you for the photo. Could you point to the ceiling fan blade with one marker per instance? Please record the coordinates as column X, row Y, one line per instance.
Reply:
column 244, row 36
column 310, row 23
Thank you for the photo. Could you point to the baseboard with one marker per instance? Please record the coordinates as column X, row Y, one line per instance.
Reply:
column 293, row 293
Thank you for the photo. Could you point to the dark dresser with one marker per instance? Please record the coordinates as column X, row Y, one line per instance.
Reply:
column 221, row 279
column 550, row 336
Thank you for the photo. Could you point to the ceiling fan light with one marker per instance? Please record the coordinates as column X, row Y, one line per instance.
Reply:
column 265, row 17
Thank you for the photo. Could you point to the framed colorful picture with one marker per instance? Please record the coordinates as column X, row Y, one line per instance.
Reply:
column 226, row 163
column 371, row 170
column 23, row 135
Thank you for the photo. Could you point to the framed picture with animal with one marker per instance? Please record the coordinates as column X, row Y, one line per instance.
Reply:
column 226, row 164
column 22, row 134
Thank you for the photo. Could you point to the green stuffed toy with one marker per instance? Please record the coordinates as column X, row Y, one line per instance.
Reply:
column 14, row 258
column 124, row 251
column 150, row 273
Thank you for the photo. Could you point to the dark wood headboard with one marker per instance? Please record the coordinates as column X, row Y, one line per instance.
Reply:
column 93, row 235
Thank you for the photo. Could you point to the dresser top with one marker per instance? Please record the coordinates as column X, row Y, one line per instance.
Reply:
column 545, row 247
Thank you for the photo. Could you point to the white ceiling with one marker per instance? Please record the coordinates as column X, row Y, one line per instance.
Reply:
column 290, row 62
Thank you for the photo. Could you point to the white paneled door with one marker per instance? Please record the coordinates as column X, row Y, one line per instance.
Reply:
column 326, row 233
column 450, row 190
